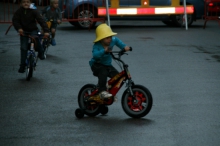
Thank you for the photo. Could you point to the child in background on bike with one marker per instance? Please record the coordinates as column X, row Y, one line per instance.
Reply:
column 24, row 21
column 101, row 61
column 53, row 13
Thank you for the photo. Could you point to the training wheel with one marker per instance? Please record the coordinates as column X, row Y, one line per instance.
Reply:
column 79, row 113
column 104, row 110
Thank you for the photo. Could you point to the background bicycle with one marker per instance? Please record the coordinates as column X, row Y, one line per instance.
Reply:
column 32, row 56
column 46, row 42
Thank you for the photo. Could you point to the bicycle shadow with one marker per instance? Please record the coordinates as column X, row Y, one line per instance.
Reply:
column 55, row 59
column 110, row 121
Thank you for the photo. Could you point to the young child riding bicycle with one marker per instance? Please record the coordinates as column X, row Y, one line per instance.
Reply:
column 24, row 21
column 101, row 61
column 52, row 12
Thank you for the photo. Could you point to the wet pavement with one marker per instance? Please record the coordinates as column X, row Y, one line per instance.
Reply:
column 180, row 67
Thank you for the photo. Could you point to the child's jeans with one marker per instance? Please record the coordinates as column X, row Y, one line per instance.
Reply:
column 24, row 47
column 102, row 72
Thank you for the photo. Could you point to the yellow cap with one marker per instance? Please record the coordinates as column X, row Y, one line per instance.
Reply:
column 103, row 31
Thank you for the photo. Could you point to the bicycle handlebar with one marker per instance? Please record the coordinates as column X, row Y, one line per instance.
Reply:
column 27, row 35
column 120, row 53
column 32, row 36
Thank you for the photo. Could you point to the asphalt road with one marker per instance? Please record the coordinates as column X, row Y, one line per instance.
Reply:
column 180, row 67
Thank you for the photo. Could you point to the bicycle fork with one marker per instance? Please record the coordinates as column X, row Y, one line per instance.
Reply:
column 130, row 91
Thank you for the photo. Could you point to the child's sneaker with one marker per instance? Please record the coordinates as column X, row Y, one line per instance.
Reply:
column 105, row 94
column 53, row 42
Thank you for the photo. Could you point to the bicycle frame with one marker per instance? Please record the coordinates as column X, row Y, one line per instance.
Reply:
column 31, row 53
column 31, row 50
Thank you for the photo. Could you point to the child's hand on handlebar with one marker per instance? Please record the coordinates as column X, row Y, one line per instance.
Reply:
column 127, row 48
column 107, row 50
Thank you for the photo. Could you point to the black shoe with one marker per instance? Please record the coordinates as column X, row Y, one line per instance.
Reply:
column 21, row 69
column 42, row 56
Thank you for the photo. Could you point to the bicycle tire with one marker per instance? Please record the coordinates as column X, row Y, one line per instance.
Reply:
column 90, row 110
column 143, row 105
column 30, row 68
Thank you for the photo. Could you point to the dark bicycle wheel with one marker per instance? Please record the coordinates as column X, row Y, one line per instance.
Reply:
column 89, row 109
column 141, row 106
column 30, row 67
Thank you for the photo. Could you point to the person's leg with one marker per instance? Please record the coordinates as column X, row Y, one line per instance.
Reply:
column 53, row 33
column 39, row 47
column 101, row 72
column 23, row 53
column 112, row 71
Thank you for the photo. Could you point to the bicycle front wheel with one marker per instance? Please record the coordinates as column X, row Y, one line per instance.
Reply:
column 141, row 106
column 46, row 44
column 30, row 68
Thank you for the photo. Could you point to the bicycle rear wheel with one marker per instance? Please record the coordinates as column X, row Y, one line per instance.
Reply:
column 83, row 95
column 30, row 68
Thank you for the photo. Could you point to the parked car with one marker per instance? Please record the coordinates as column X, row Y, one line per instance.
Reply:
column 76, row 9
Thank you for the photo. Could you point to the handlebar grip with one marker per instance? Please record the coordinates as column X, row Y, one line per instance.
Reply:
column 130, row 48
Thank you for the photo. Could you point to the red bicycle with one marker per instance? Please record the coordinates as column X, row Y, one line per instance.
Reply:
column 136, row 100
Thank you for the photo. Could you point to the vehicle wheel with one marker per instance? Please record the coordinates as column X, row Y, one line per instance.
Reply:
column 178, row 20
column 84, row 12
column 30, row 68
column 79, row 113
column 103, row 110
column 89, row 109
column 139, row 108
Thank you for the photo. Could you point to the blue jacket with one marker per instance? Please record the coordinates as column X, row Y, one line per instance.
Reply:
column 99, row 55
